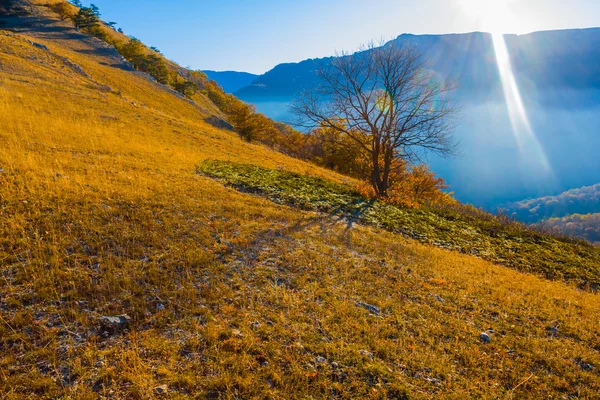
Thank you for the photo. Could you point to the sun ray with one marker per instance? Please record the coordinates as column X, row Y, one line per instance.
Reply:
column 521, row 126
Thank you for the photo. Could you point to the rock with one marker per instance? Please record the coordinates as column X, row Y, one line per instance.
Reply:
column 76, row 67
column 553, row 331
column 433, row 381
column 162, row 389
column 255, row 325
column 160, row 307
column 369, row 307
column 114, row 325
column 105, row 88
column 320, row 360
column 39, row 46
column 584, row 365
column 438, row 298
column 367, row 354
column 485, row 337
column 236, row 333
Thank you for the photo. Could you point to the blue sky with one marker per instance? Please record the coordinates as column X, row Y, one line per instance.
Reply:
column 254, row 36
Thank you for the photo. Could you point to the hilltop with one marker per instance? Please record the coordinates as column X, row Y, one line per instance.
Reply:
column 120, row 195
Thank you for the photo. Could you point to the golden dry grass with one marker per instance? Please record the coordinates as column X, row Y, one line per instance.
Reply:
column 102, row 213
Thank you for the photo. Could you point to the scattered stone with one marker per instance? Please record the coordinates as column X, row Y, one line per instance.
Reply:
column 162, row 389
column 39, row 46
column 553, row 331
column 110, row 326
column 320, row 360
column 369, row 307
column 584, row 365
column 65, row 375
column 75, row 67
column 255, row 325
column 236, row 333
column 160, row 307
column 485, row 337
column 105, row 88
column 433, row 381
column 438, row 298
column 367, row 354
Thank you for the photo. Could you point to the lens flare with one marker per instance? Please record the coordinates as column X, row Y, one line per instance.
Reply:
column 524, row 134
column 384, row 100
column 492, row 15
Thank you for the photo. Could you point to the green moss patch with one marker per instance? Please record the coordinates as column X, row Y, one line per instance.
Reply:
column 462, row 229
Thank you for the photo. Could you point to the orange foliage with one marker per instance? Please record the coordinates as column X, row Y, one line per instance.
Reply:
column 412, row 186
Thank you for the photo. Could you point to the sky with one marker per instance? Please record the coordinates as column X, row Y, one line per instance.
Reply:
column 256, row 35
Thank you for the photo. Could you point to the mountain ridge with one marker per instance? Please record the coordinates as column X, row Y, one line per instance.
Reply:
column 301, row 74
column 231, row 81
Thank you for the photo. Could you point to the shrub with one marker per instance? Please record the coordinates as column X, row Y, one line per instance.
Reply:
column 64, row 10
column 86, row 19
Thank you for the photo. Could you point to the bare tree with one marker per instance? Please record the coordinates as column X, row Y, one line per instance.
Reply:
column 386, row 100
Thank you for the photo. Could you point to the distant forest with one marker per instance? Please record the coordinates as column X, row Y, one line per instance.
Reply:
column 575, row 212
column 585, row 200
column 577, row 225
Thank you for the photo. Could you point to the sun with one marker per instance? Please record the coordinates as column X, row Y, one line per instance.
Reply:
column 494, row 16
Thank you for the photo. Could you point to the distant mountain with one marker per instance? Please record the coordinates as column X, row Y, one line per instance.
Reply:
column 558, row 59
column 585, row 200
column 231, row 81
column 574, row 213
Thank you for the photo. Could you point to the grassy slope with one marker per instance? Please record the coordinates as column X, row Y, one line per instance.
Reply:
column 492, row 238
column 102, row 212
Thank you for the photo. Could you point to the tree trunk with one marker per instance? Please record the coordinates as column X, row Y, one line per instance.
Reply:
column 387, row 167
column 376, row 180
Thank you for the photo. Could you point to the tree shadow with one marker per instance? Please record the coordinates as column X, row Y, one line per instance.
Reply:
column 103, row 51
column 42, row 27
column 218, row 123
column 325, row 220
column 121, row 66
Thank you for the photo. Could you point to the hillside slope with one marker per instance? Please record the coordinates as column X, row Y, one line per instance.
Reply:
column 103, row 213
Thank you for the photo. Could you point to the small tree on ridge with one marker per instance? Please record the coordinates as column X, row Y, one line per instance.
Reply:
column 387, row 102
